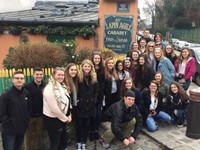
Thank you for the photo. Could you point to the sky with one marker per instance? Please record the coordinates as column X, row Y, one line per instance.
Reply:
column 28, row 4
column 141, row 5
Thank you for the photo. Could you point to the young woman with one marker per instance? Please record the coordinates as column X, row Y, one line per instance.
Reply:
column 95, row 121
column 129, row 68
column 134, row 47
column 177, row 103
column 56, row 106
column 143, row 45
column 152, row 110
column 163, row 88
column 129, row 85
column 112, row 83
column 170, row 53
column 164, row 65
column 135, row 57
column 144, row 73
column 71, row 81
column 120, row 71
column 150, row 53
column 158, row 38
column 185, row 68
column 87, row 98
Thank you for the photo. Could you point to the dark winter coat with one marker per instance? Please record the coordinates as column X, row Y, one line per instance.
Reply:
column 87, row 98
column 36, row 97
column 118, row 114
column 15, row 109
column 107, row 92
column 147, row 102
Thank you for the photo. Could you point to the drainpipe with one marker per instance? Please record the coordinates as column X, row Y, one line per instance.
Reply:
column 96, row 37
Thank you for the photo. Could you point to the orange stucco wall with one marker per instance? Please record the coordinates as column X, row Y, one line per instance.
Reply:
column 109, row 7
column 8, row 40
column 106, row 7
column 82, row 43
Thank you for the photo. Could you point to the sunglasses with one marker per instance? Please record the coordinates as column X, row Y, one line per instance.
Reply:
column 150, row 46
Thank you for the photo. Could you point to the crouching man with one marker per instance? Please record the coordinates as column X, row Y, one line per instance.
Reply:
column 122, row 120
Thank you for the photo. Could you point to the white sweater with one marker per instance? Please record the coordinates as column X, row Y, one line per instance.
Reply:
column 50, row 104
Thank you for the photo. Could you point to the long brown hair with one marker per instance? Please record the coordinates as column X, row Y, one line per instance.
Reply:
column 123, row 86
column 183, row 95
column 70, row 80
column 101, row 64
column 110, row 73
column 180, row 58
column 156, row 83
column 162, row 78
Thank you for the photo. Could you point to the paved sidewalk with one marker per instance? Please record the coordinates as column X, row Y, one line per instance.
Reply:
column 173, row 138
column 143, row 143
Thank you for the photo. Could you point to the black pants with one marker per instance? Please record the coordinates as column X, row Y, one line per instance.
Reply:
column 57, row 132
column 82, row 127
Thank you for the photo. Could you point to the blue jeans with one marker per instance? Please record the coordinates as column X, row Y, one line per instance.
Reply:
column 12, row 142
column 180, row 113
column 151, row 120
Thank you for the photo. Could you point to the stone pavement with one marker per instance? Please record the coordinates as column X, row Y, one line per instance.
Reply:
column 143, row 143
column 167, row 137
column 173, row 138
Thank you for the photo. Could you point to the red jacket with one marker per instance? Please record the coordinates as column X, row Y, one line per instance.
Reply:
column 189, row 70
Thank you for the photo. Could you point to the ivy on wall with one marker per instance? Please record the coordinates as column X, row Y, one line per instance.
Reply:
column 1, row 29
column 84, row 31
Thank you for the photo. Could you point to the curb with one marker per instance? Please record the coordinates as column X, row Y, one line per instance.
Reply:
column 164, row 147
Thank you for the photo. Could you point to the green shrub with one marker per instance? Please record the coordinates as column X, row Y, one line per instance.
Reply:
column 38, row 54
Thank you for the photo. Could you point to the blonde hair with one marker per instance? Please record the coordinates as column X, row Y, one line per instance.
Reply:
column 172, row 53
column 162, row 56
column 150, row 43
column 92, row 72
column 52, row 78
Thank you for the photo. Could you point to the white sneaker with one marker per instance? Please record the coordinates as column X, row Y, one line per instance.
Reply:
column 78, row 146
column 84, row 146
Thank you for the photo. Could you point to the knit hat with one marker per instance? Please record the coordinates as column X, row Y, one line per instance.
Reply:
column 129, row 93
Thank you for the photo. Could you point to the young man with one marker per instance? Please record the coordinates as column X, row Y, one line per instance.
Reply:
column 34, row 131
column 15, row 107
column 120, row 121
column 146, row 36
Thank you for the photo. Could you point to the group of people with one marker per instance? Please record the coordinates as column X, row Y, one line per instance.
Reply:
column 148, row 85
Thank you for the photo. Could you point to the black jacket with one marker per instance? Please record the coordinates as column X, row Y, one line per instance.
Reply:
column 118, row 114
column 107, row 92
column 36, row 98
column 87, row 98
column 175, row 102
column 147, row 102
column 143, row 82
column 101, row 81
column 15, row 109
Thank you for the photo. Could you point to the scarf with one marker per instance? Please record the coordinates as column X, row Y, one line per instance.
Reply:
column 61, row 95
